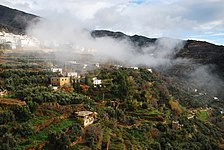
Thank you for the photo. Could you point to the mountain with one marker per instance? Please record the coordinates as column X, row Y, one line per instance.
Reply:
column 136, row 39
column 201, row 65
column 199, row 51
column 15, row 21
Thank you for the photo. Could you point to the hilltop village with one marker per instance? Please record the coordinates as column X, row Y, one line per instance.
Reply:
column 50, row 103
column 14, row 41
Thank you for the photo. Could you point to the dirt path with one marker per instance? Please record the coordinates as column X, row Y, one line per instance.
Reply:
column 49, row 122
column 10, row 101
column 130, row 126
column 44, row 125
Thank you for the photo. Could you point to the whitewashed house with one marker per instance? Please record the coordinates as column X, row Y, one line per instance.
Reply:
column 71, row 74
column 97, row 82
column 86, row 117
column 135, row 68
column 150, row 70
column 57, row 70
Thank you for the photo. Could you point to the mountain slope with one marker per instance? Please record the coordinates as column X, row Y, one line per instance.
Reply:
column 199, row 51
column 204, row 53
column 15, row 21
column 200, row 65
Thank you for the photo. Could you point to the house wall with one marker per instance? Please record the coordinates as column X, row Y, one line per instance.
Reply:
column 88, row 120
column 86, row 117
column 97, row 82
column 60, row 81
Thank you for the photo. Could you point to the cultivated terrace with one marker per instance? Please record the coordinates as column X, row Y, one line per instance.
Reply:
column 136, row 109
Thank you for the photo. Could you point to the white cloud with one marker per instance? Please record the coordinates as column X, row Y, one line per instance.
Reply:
column 172, row 18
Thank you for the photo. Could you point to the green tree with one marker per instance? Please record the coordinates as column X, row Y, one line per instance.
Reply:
column 22, row 113
column 32, row 106
column 58, row 141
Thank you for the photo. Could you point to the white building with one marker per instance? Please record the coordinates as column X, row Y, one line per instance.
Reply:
column 57, row 70
column 84, row 66
column 18, row 41
column 150, row 70
column 215, row 98
column 72, row 74
column 135, row 68
column 87, row 117
column 97, row 65
column 97, row 82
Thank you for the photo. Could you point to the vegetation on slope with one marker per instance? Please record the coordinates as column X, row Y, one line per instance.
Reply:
column 136, row 109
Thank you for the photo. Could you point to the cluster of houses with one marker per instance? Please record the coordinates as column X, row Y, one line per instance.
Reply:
column 66, row 78
column 13, row 41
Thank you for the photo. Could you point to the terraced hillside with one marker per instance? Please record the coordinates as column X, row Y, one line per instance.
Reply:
column 137, row 109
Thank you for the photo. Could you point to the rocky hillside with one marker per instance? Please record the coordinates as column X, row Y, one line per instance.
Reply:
column 15, row 21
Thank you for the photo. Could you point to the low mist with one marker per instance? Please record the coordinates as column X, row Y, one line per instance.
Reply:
column 68, row 38
column 205, row 78
column 56, row 34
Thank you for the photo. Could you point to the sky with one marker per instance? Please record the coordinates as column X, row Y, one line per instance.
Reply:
column 183, row 19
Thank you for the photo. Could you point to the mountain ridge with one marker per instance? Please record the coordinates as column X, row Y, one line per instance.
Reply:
column 200, row 51
column 14, row 20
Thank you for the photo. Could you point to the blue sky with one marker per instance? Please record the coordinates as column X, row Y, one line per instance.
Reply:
column 184, row 19
column 138, row 1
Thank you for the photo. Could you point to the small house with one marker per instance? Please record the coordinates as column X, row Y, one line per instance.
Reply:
column 150, row 70
column 97, row 82
column 59, row 70
column 135, row 68
column 60, row 81
column 3, row 93
column 71, row 74
column 86, row 117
